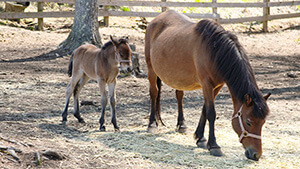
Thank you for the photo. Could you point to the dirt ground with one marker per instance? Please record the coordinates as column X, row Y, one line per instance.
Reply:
column 32, row 96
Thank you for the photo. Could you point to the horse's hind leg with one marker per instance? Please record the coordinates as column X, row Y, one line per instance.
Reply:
column 112, row 100
column 181, row 127
column 70, row 89
column 83, row 80
column 102, row 85
column 69, row 92
column 155, row 85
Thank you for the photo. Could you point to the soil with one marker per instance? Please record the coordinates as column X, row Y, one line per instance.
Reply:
column 32, row 97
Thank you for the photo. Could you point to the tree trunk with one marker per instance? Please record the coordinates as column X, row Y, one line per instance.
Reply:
column 85, row 27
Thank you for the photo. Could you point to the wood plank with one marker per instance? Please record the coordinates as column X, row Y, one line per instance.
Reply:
column 56, row 1
column 16, row 15
column 178, row 4
column 258, row 18
column 287, row 3
column 283, row 16
column 152, row 14
column 241, row 20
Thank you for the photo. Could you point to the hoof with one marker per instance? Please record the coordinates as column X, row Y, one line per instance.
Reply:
column 216, row 152
column 117, row 130
column 202, row 143
column 102, row 129
column 152, row 128
column 63, row 123
column 181, row 129
column 81, row 120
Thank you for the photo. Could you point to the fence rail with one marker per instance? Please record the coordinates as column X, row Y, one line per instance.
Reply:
column 163, row 4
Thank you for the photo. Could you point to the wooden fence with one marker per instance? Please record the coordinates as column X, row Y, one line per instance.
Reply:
column 163, row 5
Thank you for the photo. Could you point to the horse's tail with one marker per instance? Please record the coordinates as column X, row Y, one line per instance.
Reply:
column 70, row 66
column 158, row 117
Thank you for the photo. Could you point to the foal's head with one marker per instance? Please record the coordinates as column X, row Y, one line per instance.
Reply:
column 247, row 122
column 123, row 54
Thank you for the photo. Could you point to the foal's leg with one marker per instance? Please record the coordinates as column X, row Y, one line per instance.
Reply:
column 102, row 85
column 112, row 100
column 209, row 108
column 154, row 92
column 181, row 127
column 70, row 89
column 84, row 79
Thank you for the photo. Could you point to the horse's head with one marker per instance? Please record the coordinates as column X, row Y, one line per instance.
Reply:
column 247, row 122
column 123, row 54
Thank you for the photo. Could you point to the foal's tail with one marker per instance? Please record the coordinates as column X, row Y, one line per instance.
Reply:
column 70, row 66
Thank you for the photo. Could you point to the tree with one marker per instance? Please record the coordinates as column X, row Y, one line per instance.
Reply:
column 85, row 27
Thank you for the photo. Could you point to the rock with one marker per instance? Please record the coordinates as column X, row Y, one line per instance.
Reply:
column 291, row 75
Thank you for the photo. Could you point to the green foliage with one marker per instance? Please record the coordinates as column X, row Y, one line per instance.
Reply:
column 123, row 8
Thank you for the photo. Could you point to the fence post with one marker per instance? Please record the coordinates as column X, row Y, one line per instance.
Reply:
column 40, row 6
column 106, row 18
column 266, row 13
column 163, row 9
column 214, row 9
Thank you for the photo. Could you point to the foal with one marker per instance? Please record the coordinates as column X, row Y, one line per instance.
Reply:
column 90, row 62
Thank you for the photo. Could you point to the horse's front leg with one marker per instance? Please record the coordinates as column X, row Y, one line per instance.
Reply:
column 199, row 134
column 212, row 145
column 112, row 100
column 181, row 127
column 102, row 85
column 209, row 96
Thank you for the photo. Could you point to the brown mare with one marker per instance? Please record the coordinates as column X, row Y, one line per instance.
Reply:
column 90, row 62
column 190, row 56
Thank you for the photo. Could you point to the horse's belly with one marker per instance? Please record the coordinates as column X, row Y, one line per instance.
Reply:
column 182, row 85
column 177, row 77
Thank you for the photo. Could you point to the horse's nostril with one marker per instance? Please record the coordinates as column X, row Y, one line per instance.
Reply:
column 250, row 154
column 256, row 156
column 129, row 69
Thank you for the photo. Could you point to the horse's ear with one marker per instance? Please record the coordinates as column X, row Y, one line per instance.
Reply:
column 248, row 100
column 115, row 43
column 267, row 96
column 127, row 39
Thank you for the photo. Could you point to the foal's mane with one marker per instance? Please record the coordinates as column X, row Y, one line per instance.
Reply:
column 109, row 43
column 232, row 64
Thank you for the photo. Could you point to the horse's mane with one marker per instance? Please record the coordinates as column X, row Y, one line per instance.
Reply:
column 232, row 64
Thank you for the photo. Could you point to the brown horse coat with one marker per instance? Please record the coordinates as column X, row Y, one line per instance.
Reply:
column 189, row 56
column 101, row 64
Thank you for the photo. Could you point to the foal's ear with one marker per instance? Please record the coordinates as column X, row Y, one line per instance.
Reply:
column 267, row 96
column 115, row 43
column 248, row 100
column 127, row 39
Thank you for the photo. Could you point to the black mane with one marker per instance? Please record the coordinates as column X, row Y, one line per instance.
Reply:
column 109, row 43
column 232, row 64
column 106, row 45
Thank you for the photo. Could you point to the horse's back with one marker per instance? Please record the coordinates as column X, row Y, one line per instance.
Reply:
column 84, row 59
column 163, row 21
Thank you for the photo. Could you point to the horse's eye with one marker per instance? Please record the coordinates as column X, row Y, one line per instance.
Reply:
column 248, row 122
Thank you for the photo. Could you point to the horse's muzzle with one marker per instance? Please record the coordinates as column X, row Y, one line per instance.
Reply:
column 251, row 154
